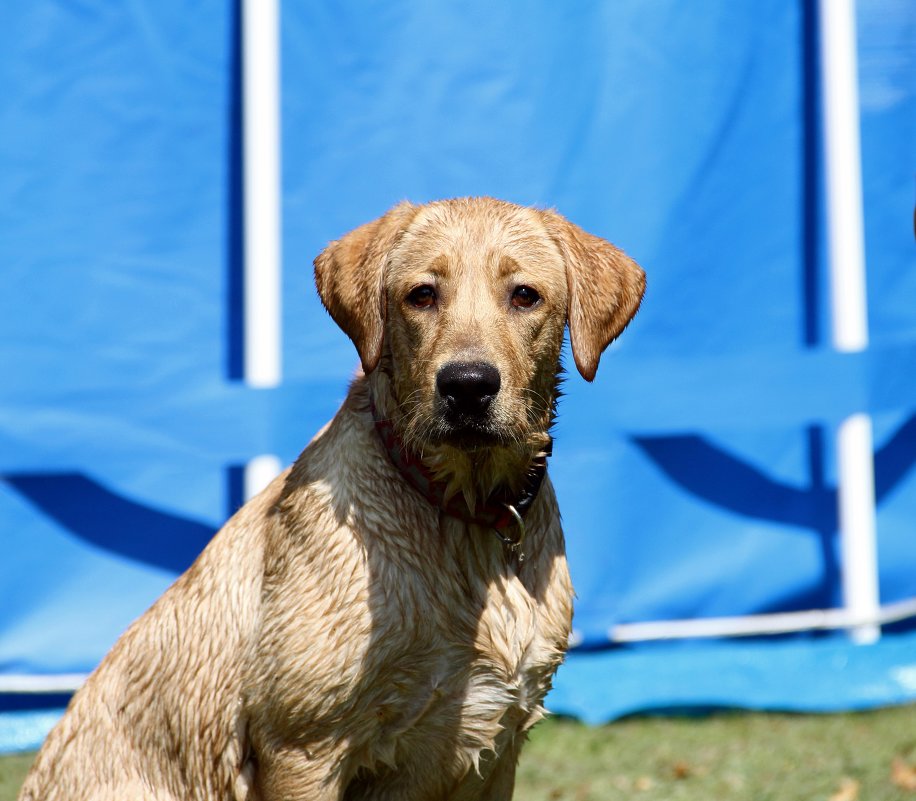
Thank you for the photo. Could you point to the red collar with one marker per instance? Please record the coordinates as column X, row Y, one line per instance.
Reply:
column 499, row 512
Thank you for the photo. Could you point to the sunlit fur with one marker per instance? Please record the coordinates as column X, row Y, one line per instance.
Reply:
column 340, row 639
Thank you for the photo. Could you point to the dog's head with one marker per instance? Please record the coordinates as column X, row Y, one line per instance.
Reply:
column 459, row 307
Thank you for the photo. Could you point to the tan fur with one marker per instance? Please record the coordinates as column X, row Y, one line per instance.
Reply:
column 340, row 638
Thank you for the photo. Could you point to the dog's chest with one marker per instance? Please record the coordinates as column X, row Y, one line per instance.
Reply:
column 463, row 678
column 425, row 658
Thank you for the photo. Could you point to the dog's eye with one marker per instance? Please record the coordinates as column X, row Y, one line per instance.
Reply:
column 422, row 297
column 524, row 297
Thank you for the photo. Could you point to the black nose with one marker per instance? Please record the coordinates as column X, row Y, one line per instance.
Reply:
column 468, row 387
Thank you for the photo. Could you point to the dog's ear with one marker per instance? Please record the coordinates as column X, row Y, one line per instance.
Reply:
column 350, row 276
column 605, row 289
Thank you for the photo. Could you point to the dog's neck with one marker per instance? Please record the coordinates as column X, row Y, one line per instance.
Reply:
column 510, row 471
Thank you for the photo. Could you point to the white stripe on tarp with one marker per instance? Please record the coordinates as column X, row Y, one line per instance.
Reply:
column 56, row 683
column 262, row 208
column 757, row 625
column 849, row 307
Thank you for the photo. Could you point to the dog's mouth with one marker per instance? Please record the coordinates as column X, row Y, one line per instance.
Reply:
column 470, row 433
column 442, row 425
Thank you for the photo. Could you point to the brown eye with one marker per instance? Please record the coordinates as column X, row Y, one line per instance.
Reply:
column 422, row 297
column 524, row 297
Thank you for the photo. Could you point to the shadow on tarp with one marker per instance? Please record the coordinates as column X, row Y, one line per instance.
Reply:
column 719, row 477
column 101, row 516
column 113, row 522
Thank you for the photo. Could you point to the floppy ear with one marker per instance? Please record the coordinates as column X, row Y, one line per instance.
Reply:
column 605, row 290
column 350, row 273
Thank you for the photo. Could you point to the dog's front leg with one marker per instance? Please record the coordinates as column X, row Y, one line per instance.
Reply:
column 497, row 781
column 500, row 784
column 297, row 773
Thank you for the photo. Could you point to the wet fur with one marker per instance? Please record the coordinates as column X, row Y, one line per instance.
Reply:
column 339, row 638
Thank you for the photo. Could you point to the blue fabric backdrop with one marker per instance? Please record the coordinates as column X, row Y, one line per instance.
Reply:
column 696, row 475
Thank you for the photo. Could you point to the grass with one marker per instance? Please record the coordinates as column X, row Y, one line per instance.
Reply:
column 12, row 772
column 869, row 756
column 732, row 756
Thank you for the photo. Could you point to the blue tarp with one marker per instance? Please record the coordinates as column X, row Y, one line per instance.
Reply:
column 696, row 475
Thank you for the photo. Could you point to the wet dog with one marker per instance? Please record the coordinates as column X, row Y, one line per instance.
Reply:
column 384, row 620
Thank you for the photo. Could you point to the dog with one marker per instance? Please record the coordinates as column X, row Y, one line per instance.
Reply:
column 384, row 620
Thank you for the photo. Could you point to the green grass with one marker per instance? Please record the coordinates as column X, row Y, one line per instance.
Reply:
column 757, row 757
column 734, row 756
column 12, row 772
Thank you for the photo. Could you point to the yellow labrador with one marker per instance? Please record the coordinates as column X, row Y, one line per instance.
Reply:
column 384, row 620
